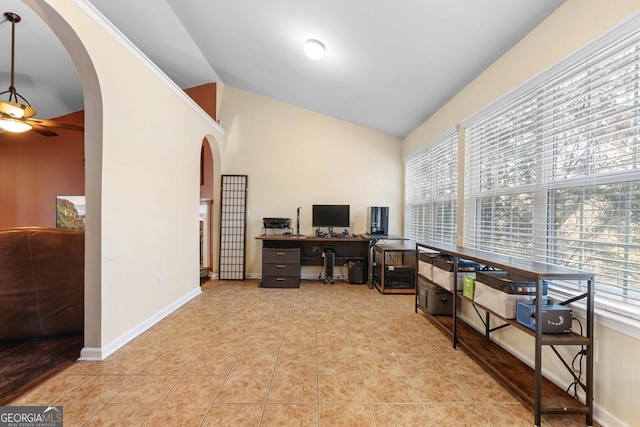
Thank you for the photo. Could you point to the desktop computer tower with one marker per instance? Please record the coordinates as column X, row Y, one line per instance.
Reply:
column 356, row 272
column 329, row 260
column 378, row 220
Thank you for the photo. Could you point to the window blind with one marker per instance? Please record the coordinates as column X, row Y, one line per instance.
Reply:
column 554, row 173
column 431, row 183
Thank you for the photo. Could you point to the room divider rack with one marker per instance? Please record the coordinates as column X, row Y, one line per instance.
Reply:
column 233, row 227
column 526, row 383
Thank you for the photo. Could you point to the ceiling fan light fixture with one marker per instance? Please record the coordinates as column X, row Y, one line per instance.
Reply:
column 314, row 49
column 13, row 109
column 15, row 116
column 13, row 125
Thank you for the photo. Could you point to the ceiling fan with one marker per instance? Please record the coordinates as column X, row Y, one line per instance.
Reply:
column 16, row 116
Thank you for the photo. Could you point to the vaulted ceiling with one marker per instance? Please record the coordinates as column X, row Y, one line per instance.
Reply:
column 388, row 65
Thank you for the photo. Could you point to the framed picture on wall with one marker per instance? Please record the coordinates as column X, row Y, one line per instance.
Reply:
column 70, row 212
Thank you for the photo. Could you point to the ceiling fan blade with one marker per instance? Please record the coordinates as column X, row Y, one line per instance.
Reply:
column 16, row 110
column 42, row 130
column 54, row 124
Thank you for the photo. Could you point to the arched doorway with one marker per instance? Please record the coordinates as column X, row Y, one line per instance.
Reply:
column 92, row 159
column 141, row 231
column 206, row 214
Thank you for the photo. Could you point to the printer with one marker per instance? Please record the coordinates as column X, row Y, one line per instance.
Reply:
column 276, row 222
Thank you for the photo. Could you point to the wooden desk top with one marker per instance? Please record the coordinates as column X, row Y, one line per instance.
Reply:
column 519, row 265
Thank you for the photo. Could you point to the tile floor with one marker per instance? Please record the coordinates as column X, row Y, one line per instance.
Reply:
column 320, row 355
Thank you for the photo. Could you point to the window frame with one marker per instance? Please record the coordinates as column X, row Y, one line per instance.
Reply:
column 607, row 309
column 423, row 208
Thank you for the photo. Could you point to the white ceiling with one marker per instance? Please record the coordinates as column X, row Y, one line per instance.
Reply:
column 389, row 65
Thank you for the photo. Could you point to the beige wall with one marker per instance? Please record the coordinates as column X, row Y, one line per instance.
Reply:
column 296, row 158
column 142, row 180
column 34, row 169
column 570, row 27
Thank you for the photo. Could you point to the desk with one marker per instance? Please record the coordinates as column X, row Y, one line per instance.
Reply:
column 374, row 238
column 311, row 248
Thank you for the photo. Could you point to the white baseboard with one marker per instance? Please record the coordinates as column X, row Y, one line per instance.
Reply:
column 101, row 353
column 91, row 353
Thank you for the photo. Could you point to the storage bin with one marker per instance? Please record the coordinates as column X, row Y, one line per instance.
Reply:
column 446, row 264
column 425, row 264
column 443, row 272
column 445, row 279
column 510, row 283
column 425, row 269
column 433, row 299
column 501, row 303
column 427, row 256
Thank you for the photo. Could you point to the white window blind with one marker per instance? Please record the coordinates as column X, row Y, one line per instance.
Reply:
column 554, row 174
column 431, row 183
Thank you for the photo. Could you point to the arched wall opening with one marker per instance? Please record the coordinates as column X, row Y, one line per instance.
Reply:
column 206, row 213
column 93, row 165
column 215, row 176
column 141, row 182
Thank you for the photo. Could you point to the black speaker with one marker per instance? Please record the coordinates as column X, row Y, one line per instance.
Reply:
column 356, row 272
column 329, row 260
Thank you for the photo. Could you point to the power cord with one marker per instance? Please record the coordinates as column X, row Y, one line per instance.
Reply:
column 579, row 357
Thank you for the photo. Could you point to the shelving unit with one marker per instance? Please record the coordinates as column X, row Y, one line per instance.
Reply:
column 529, row 383
column 394, row 268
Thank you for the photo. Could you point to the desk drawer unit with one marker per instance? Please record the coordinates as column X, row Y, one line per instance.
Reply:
column 281, row 268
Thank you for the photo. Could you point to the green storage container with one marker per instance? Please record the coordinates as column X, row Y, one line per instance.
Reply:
column 468, row 286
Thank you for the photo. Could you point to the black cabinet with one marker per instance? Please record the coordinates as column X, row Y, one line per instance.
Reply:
column 281, row 268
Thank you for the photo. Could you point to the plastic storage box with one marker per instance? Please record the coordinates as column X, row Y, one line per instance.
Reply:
column 433, row 299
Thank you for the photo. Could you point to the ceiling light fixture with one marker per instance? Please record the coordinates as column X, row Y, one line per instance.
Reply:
column 314, row 49
column 14, row 125
column 16, row 116
column 13, row 109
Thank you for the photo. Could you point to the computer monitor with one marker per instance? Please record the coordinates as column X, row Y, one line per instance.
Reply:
column 330, row 216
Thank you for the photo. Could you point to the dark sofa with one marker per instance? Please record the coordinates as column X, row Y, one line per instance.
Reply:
column 41, row 282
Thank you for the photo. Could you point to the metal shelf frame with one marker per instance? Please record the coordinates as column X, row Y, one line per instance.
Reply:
column 542, row 273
